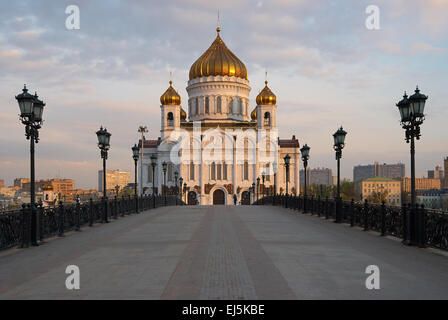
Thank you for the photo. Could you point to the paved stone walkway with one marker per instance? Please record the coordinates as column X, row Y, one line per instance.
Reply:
column 223, row 252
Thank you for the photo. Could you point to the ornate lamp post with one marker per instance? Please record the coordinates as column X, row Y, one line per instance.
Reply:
column 274, row 167
column 262, row 179
column 185, row 191
column 305, row 150
column 31, row 110
column 339, row 143
column 181, row 180
column 153, row 165
column 142, row 130
column 258, row 187
column 176, row 175
column 287, row 160
column 164, row 166
column 253, row 191
column 412, row 116
column 104, row 145
column 135, row 155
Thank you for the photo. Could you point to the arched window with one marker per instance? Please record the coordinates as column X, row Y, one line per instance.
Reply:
column 207, row 104
column 246, row 170
column 267, row 119
column 218, row 105
column 170, row 119
column 213, row 171
column 196, row 106
column 240, row 106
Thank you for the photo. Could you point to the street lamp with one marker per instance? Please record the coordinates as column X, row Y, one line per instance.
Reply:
column 274, row 167
column 412, row 116
column 181, row 180
column 305, row 150
column 339, row 143
column 253, row 190
column 164, row 166
column 287, row 159
column 103, row 144
column 185, row 191
column 135, row 155
column 153, row 165
column 176, row 175
column 258, row 187
column 31, row 110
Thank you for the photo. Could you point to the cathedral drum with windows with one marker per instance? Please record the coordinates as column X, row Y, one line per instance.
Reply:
column 229, row 146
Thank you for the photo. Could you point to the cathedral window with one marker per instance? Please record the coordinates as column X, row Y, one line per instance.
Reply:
column 207, row 104
column 191, row 171
column 196, row 106
column 246, row 170
column 218, row 105
column 218, row 171
column 170, row 118
column 267, row 119
column 224, row 171
column 240, row 106
column 213, row 171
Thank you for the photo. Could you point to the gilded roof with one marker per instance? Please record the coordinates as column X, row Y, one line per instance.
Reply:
column 266, row 96
column 218, row 60
column 170, row 97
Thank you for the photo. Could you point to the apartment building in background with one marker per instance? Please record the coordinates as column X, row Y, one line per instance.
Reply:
column 389, row 171
column 382, row 185
column 114, row 178
column 319, row 176
column 420, row 184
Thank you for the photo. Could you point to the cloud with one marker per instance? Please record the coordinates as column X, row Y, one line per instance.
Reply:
column 421, row 48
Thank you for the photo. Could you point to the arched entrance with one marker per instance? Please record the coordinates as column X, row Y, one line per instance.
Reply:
column 218, row 197
column 245, row 198
column 192, row 198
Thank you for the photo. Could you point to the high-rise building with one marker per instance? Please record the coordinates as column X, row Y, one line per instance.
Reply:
column 437, row 173
column 114, row 178
column 389, row 171
column 319, row 176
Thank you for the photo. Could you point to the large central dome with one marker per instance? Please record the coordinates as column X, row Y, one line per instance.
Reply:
column 218, row 60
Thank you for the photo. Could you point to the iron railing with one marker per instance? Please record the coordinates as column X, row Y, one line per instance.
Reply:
column 15, row 225
column 387, row 220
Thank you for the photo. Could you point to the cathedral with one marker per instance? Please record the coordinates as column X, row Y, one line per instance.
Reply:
column 221, row 151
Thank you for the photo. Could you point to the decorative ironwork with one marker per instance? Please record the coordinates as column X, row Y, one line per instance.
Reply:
column 56, row 220
column 386, row 220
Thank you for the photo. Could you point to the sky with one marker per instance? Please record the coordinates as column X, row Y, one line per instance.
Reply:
column 325, row 67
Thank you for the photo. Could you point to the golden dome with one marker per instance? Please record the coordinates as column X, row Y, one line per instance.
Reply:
column 183, row 114
column 47, row 187
column 253, row 114
column 170, row 97
column 218, row 60
column 266, row 96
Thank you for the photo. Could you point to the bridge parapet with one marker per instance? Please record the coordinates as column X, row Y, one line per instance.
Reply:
column 417, row 226
column 15, row 225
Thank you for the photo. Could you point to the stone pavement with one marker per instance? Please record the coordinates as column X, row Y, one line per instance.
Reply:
column 223, row 252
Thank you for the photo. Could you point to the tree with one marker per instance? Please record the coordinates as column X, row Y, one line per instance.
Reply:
column 348, row 190
column 378, row 197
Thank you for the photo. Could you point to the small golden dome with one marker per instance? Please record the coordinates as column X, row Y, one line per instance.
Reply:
column 170, row 97
column 183, row 114
column 253, row 114
column 266, row 96
column 47, row 187
column 218, row 60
